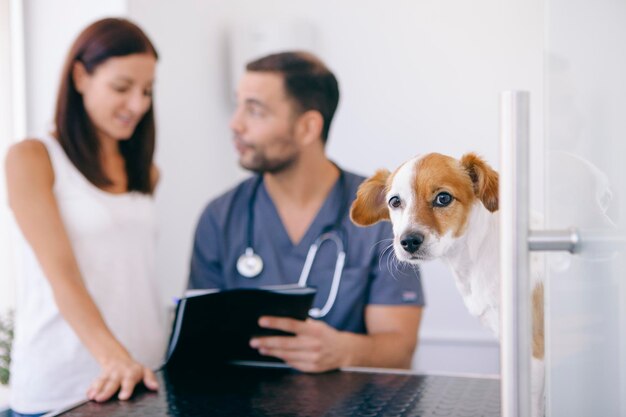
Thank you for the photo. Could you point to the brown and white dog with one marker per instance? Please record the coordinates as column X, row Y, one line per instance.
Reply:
column 444, row 208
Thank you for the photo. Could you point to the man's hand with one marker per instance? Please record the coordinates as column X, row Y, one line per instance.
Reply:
column 316, row 346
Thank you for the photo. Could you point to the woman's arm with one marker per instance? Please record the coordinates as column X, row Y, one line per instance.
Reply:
column 30, row 179
column 155, row 176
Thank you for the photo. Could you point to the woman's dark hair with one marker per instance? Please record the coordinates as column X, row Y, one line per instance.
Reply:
column 307, row 81
column 98, row 42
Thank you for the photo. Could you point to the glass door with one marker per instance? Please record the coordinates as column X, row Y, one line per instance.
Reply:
column 581, row 247
column 585, row 114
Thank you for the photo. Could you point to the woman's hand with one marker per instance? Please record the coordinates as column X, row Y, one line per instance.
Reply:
column 121, row 373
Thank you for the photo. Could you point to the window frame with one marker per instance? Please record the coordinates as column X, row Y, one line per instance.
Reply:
column 12, row 128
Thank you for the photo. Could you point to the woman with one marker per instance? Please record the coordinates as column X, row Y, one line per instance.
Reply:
column 88, row 310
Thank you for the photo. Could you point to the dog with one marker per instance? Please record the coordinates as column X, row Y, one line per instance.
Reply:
column 444, row 208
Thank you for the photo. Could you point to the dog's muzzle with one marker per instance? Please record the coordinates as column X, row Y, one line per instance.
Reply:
column 411, row 242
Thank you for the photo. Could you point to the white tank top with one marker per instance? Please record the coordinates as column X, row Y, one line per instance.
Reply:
column 114, row 240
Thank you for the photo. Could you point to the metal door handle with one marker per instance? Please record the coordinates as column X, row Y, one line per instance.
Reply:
column 554, row 240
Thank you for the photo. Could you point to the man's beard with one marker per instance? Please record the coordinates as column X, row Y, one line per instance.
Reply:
column 261, row 164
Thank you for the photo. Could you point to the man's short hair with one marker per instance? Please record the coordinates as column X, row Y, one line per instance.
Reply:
column 308, row 82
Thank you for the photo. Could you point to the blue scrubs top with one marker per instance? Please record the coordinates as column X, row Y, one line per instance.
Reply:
column 370, row 275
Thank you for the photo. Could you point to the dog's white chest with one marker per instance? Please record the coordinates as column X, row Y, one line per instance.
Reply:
column 476, row 267
column 481, row 297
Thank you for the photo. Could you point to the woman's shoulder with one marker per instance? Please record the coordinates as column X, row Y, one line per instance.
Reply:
column 29, row 152
column 29, row 146
column 29, row 156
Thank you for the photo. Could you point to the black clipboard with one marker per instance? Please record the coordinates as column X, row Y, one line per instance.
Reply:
column 214, row 327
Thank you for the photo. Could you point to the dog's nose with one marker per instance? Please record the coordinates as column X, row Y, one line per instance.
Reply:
column 411, row 241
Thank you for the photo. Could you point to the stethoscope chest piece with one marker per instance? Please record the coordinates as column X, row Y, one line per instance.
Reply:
column 249, row 264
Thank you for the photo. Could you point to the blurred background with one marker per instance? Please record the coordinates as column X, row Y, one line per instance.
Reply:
column 415, row 77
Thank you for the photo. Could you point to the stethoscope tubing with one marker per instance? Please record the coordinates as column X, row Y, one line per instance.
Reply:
column 308, row 263
column 250, row 264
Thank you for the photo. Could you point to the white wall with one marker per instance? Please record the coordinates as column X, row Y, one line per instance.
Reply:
column 6, row 128
column 12, row 125
column 415, row 77
column 11, row 115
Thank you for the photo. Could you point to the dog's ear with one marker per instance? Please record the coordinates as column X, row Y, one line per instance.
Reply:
column 370, row 206
column 484, row 178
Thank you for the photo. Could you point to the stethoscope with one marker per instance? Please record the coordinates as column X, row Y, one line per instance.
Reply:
column 250, row 264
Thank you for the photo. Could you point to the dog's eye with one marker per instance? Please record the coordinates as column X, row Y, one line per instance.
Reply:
column 442, row 200
column 394, row 202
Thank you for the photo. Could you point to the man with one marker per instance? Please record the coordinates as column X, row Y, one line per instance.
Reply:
column 260, row 232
